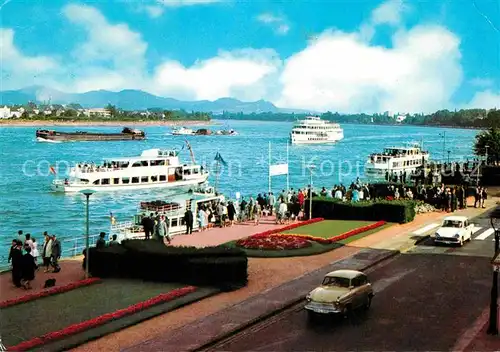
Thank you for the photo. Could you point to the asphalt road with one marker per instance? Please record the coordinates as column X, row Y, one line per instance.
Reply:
column 482, row 243
column 422, row 302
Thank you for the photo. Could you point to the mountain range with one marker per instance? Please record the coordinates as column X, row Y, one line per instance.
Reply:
column 131, row 99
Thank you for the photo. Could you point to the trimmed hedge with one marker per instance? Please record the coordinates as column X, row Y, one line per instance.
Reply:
column 222, row 267
column 398, row 211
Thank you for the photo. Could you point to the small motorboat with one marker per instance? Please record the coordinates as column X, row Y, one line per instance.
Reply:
column 182, row 131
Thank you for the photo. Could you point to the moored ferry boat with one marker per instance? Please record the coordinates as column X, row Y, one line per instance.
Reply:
column 154, row 168
column 173, row 210
column 396, row 161
column 127, row 134
column 314, row 130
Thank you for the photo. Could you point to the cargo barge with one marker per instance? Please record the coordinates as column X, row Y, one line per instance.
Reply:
column 127, row 134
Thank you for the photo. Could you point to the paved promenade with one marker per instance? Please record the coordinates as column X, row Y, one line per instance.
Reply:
column 264, row 275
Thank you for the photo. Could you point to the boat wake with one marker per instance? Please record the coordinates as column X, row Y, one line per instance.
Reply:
column 46, row 140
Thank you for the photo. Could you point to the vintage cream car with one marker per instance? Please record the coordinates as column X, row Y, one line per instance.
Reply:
column 454, row 230
column 340, row 292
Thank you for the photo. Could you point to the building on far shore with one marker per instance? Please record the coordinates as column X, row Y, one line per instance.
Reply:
column 7, row 113
column 97, row 112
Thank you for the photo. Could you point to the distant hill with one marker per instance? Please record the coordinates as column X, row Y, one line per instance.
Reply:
column 130, row 99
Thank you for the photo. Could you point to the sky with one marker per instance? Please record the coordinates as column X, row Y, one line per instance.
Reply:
column 348, row 56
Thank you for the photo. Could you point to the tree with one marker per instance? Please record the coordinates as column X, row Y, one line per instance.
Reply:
column 490, row 138
column 111, row 109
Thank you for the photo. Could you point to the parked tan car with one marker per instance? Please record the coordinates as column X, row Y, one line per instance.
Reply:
column 341, row 292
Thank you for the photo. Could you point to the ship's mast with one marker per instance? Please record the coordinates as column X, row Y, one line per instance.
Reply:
column 190, row 152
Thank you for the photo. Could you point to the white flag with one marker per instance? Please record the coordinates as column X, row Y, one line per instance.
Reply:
column 278, row 169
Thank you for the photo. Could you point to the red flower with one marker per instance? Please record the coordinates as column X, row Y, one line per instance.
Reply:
column 100, row 320
column 49, row 292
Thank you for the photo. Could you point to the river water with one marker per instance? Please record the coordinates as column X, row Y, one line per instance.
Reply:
column 28, row 204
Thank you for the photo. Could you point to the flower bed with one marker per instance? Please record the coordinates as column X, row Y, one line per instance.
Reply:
column 270, row 240
column 49, row 292
column 100, row 320
column 274, row 242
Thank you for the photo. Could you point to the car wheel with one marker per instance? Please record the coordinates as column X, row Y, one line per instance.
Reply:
column 368, row 302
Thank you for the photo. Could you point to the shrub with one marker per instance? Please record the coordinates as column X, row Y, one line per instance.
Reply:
column 150, row 260
column 399, row 211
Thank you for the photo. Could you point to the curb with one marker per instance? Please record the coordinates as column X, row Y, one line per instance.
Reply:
column 287, row 305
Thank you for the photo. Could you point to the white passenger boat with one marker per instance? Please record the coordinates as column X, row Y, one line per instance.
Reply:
column 313, row 130
column 173, row 210
column 154, row 168
column 396, row 161
column 182, row 131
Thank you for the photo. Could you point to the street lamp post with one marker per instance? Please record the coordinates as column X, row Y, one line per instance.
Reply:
column 87, row 193
column 486, row 156
column 449, row 151
column 493, row 323
column 311, row 168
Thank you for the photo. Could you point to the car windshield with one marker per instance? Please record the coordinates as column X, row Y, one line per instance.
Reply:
column 453, row 223
column 336, row 281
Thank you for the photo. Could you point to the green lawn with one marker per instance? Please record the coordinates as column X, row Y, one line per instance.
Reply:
column 329, row 228
column 52, row 313
column 325, row 229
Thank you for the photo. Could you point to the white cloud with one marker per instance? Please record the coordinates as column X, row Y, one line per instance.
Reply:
column 154, row 11
column 340, row 72
column 388, row 12
column 174, row 3
column 485, row 100
column 221, row 76
column 112, row 56
column 19, row 70
column 277, row 23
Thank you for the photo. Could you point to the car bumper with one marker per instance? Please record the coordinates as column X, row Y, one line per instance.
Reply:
column 446, row 240
column 322, row 308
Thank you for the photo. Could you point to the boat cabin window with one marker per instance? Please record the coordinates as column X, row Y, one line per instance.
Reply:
column 126, row 180
column 144, row 163
column 96, row 182
column 116, row 181
column 137, row 164
column 154, row 178
column 175, row 222
column 187, row 172
column 144, row 179
column 135, row 179
column 105, row 181
column 84, row 180
column 163, row 177
column 196, row 171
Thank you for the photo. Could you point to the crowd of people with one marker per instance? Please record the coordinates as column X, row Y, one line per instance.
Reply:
column 24, row 257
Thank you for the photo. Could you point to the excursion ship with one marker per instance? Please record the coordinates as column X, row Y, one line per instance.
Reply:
column 396, row 161
column 127, row 134
column 154, row 168
column 313, row 130
column 173, row 210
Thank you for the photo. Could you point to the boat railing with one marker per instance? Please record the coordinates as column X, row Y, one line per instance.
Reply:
column 71, row 247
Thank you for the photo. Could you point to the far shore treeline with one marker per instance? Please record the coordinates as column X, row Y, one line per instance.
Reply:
column 465, row 118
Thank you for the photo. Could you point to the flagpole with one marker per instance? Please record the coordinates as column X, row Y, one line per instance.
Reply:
column 269, row 168
column 217, row 172
column 288, row 168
